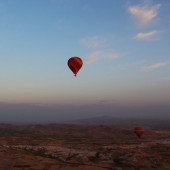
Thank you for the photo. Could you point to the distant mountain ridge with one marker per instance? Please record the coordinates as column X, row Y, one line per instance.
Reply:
column 123, row 122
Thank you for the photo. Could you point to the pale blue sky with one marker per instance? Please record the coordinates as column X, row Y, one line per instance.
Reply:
column 124, row 46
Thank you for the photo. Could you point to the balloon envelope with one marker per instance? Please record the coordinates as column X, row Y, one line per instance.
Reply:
column 75, row 63
column 139, row 131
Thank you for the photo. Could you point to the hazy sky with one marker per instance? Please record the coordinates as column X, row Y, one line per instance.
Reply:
column 125, row 47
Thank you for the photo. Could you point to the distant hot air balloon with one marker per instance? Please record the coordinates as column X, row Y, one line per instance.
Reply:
column 139, row 131
column 75, row 63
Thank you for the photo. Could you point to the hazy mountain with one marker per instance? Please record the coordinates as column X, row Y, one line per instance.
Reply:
column 29, row 113
column 124, row 122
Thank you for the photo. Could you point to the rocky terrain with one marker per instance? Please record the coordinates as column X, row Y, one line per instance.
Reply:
column 91, row 147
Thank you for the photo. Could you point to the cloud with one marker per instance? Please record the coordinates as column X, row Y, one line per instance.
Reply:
column 93, row 57
column 108, row 101
column 144, row 14
column 123, row 67
column 105, row 54
column 166, row 78
column 153, row 66
column 40, row 104
column 146, row 36
column 112, row 56
column 98, row 45
column 93, row 42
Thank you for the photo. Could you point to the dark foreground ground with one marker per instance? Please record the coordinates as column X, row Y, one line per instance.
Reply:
column 72, row 147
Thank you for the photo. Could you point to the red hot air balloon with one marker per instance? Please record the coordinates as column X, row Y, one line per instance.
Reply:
column 139, row 131
column 75, row 63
